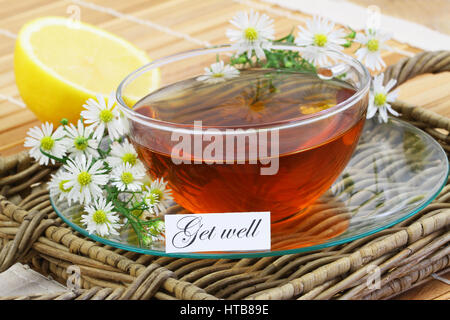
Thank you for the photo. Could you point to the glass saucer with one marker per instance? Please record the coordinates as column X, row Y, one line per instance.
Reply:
column 396, row 171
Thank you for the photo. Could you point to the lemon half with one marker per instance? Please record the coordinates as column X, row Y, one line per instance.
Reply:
column 59, row 64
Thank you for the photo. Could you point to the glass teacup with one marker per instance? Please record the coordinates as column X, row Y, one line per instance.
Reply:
column 260, row 140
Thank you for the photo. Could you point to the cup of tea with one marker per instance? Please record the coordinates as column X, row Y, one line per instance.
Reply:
column 245, row 138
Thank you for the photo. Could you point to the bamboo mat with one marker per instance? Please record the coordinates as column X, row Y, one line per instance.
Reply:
column 163, row 27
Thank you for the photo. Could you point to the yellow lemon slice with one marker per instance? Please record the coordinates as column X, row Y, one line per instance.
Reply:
column 59, row 64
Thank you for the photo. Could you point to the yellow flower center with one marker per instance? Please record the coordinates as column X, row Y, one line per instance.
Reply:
column 373, row 45
column 380, row 99
column 84, row 178
column 155, row 196
column 129, row 158
column 99, row 217
column 47, row 143
column 106, row 115
column 218, row 75
column 251, row 34
column 136, row 213
column 81, row 143
column 62, row 188
column 127, row 177
column 320, row 40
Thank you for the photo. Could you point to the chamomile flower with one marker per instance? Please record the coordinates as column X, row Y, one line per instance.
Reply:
column 103, row 115
column 101, row 219
column 124, row 153
column 50, row 142
column 126, row 177
column 380, row 97
column 319, row 36
column 150, row 239
column 154, row 232
column 157, row 227
column 79, row 140
column 218, row 72
column 85, row 178
column 57, row 187
column 372, row 44
column 157, row 195
column 255, row 32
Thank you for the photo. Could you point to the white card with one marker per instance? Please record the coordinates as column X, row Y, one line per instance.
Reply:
column 235, row 231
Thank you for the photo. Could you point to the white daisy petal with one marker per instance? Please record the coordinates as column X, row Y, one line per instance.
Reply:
column 158, row 196
column 57, row 187
column 371, row 111
column 122, row 153
column 103, row 115
column 383, row 114
column 78, row 140
column 45, row 139
column 218, row 72
column 392, row 96
column 391, row 111
column 100, row 218
column 255, row 33
column 83, row 179
column 380, row 98
column 318, row 37
column 372, row 44
column 127, row 177
column 390, row 85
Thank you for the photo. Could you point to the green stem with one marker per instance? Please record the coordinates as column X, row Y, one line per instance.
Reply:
column 134, row 222
column 62, row 160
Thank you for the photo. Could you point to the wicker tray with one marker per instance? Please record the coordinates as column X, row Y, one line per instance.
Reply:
column 404, row 255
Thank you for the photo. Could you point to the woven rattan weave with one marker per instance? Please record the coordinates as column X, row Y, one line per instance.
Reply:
column 405, row 255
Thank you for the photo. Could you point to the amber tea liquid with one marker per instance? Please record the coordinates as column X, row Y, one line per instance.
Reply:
column 311, row 156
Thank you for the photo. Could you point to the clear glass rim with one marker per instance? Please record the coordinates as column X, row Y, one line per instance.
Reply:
column 286, row 124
